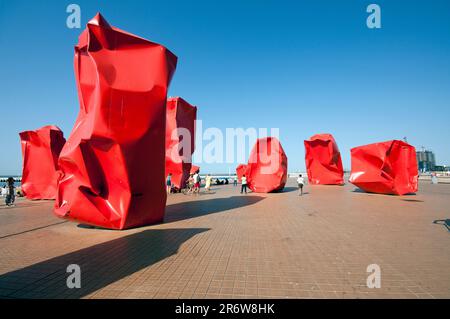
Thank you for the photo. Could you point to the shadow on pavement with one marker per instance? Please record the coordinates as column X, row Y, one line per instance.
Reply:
column 444, row 222
column 101, row 264
column 186, row 210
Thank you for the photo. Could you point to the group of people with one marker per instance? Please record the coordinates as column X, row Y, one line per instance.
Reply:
column 9, row 192
column 244, row 183
column 192, row 183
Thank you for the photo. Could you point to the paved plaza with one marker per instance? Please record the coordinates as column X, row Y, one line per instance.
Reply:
column 227, row 245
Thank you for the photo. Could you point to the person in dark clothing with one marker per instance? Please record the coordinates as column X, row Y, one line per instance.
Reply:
column 10, row 192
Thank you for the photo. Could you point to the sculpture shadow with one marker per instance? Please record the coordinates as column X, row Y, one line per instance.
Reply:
column 444, row 222
column 192, row 209
column 100, row 265
column 361, row 191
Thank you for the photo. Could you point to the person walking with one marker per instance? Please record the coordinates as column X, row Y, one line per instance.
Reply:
column 300, row 183
column 169, row 183
column 196, row 182
column 243, row 184
column 10, row 192
column 208, row 182
column 235, row 181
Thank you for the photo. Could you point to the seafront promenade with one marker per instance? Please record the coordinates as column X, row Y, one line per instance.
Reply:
column 227, row 245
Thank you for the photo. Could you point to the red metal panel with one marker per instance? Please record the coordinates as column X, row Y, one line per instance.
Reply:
column 323, row 160
column 40, row 151
column 387, row 168
column 113, row 162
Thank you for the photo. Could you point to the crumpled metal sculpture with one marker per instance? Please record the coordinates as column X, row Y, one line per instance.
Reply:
column 241, row 170
column 40, row 151
column 194, row 169
column 323, row 160
column 113, row 162
column 180, row 140
column 386, row 168
column 267, row 166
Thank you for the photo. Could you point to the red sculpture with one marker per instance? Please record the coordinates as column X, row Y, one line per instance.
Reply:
column 267, row 166
column 40, row 151
column 180, row 139
column 113, row 162
column 241, row 169
column 323, row 160
column 194, row 169
column 387, row 168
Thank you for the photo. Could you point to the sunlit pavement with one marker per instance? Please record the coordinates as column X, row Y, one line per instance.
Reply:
column 227, row 245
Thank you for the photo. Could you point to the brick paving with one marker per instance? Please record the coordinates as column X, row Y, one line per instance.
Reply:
column 227, row 245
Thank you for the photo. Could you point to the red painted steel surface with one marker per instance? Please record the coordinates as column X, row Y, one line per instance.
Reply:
column 267, row 166
column 323, row 160
column 387, row 168
column 40, row 151
column 180, row 139
column 113, row 162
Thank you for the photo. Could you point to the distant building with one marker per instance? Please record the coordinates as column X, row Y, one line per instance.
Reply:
column 426, row 161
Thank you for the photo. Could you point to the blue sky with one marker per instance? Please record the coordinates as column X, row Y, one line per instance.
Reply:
column 305, row 67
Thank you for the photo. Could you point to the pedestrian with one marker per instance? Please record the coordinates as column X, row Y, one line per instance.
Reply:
column 243, row 184
column 10, row 192
column 300, row 183
column 235, row 182
column 207, row 182
column 434, row 179
column 169, row 183
column 196, row 178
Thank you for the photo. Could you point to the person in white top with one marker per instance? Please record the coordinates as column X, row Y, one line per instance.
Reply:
column 243, row 184
column 300, row 183
column 196, row 182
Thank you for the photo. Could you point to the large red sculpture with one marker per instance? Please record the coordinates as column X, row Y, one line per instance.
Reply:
column 267, row 166
column 113, row 162
column 387, row 168
column 40, row 151
column 180, row 139
column 323, row 160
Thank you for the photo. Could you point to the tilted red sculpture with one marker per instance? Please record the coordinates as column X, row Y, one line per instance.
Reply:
column 387, row 168
column 267, row 166
column 113, row 162
column 323, row 160
column 40, row 151
column 180, row 139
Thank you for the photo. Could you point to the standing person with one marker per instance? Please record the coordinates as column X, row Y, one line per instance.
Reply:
column 243, row 184
column 169, row 183
column 235, row 181
column 300, row 183
column 10, row 192
column 196, row 182
column 207, row 182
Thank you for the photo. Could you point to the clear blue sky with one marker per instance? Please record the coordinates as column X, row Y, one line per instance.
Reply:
column 303, row 66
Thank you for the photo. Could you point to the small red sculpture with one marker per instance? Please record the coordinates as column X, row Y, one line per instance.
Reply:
column 323, row 160
column 267, row 166
column 40, row 151
column 387, row 168
column 194, row 169
column 113, row 162
column 241, row 170
column 180, row 139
